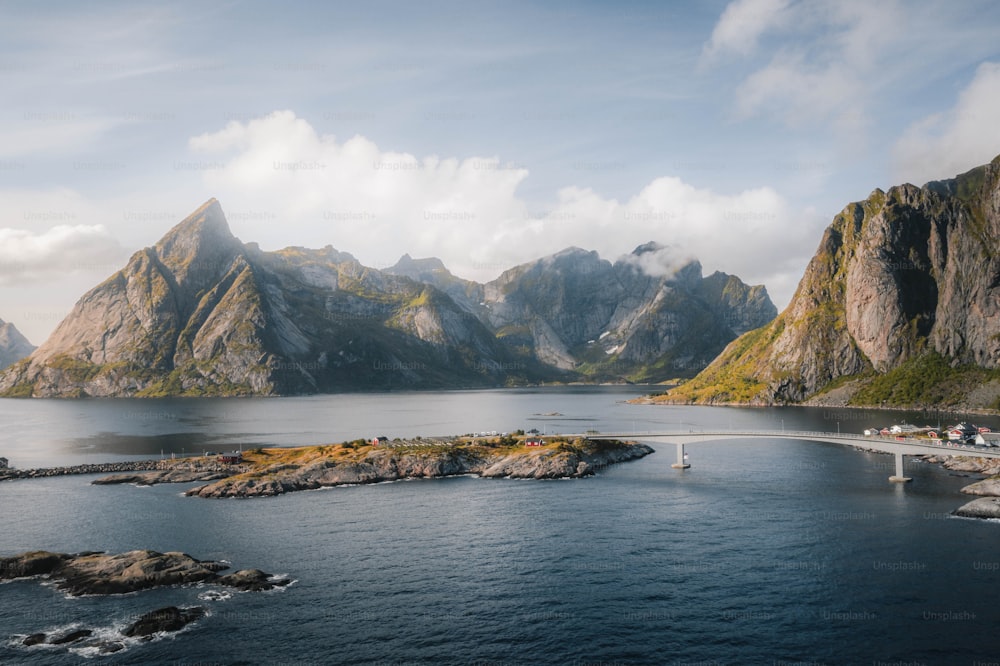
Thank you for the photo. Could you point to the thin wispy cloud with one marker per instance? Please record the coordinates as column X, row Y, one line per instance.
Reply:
column 952, row 141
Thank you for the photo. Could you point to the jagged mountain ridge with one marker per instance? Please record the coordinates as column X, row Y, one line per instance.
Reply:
column 13, row 345
column 903, row 283
column 201, row 313
column 578, row 312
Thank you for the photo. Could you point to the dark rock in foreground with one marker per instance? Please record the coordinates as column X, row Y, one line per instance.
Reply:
column 163, row 620
column 72, row 637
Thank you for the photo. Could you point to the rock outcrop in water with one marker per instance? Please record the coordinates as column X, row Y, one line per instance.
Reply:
column 169, row 619
column 900, row 306
column 124, row 573
column 201, row 313
column 102, row 573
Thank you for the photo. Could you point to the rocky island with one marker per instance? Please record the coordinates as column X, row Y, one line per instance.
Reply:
column 269, row 472
column 91, row 573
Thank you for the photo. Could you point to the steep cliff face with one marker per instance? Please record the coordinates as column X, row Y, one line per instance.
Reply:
column 200, row 313
column 907, row 276
column 13, row 345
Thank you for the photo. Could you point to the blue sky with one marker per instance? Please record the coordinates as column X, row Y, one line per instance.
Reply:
column 483, row 133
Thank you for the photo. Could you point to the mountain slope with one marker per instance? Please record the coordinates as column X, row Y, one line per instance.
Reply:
column 13, row 345
column 202, row 314
column 907, row 279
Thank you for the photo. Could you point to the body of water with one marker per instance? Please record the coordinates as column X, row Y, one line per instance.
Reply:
column 764, row 552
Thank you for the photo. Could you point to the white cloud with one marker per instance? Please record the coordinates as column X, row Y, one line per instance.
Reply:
column 281, row 180
column 742, row 23
column 821, row 63
column 27, row 256
column 945, row 144
column 659, row 260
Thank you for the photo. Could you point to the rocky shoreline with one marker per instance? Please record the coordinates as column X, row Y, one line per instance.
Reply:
column 988, row 489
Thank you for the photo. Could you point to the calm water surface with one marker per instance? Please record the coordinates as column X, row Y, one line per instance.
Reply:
column 761, row 553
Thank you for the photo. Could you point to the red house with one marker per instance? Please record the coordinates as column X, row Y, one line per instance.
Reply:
column 534, row 441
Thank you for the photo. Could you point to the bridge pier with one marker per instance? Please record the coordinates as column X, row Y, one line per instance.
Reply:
column 898, row 476
column 680, row 464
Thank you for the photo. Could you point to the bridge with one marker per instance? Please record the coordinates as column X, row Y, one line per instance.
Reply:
column 898, row 445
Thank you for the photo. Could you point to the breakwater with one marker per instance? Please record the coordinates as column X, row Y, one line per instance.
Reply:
column 9, row 473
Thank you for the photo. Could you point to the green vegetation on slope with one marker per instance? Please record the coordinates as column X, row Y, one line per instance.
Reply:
column 928, row 379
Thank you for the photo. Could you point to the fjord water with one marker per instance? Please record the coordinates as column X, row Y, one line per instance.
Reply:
column 763, row 552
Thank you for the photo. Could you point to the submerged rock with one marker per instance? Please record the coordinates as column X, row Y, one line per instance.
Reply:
column 252, row 580
column 72, row 637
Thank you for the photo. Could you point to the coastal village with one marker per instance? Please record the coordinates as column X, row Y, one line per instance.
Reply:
column 963, row 434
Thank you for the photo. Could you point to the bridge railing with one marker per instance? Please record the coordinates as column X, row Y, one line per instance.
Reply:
column 806, row 434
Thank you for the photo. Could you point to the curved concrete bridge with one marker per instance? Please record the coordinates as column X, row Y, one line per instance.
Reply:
column 898, row 445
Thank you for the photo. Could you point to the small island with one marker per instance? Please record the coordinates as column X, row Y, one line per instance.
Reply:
column 274, row 471
column 98, row 573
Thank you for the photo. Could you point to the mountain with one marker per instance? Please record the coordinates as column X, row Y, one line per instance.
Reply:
column 13, row 345
column 900, row 306
column 576, row 311
column 201, row 313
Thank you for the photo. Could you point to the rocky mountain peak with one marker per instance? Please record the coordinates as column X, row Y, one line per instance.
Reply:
column 651, row 246
column 411, row 267
column 200, row 246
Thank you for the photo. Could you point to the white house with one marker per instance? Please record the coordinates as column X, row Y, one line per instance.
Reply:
column 988, row 439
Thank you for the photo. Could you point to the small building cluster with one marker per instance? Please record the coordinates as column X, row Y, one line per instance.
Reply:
column 965, row 433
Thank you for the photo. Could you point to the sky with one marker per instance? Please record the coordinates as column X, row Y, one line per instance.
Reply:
column 487, row 134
